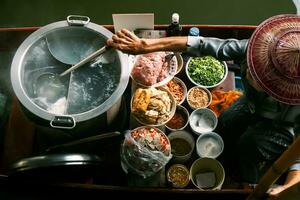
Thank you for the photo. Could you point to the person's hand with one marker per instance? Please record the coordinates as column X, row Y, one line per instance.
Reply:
column 274, row 192
column 127, row 42
column 293, row 178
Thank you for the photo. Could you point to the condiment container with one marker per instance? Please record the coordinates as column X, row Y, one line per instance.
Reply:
column 206, row 71
column 174, row 29
column 209, row 145
column 207, row 173
column 203, row 120
column 178, row 90
column 194, row 31
column 198, row 97
column 182, row 146
column 178, row 175
column 180, row 119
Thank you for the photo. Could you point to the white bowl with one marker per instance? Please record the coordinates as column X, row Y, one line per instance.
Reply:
column 209, row 145
column 207, row 86
column 203, row 120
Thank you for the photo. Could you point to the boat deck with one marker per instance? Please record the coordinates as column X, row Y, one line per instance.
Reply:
column 21, row 138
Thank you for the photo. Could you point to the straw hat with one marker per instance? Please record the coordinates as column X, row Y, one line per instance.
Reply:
column 274, row 57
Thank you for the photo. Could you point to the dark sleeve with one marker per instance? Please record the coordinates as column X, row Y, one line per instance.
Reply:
column 223, row 49
column 296, row 165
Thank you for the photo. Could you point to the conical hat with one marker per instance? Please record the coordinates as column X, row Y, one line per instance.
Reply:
column 273, row 57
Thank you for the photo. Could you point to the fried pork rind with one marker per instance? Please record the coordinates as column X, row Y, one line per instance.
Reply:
column 141, row 100
column 159, row 108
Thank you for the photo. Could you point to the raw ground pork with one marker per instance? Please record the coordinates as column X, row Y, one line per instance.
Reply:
column 150, row 68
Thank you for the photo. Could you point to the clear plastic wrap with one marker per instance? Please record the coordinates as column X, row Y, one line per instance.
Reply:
column 145, row 151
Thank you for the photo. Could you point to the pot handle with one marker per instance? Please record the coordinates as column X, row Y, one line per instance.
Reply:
column 65, row 122
column 77, row 20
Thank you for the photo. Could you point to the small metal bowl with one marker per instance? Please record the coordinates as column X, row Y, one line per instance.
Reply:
column 181, row 110
column 209, row 145
column 141, row 117
column 200, row 99
column 182, row 146
column 184, row 90
column 173, row 174
column 203, row 120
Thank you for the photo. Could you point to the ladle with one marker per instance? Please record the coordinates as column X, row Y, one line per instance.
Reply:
column 50, row 86
column 85, row 60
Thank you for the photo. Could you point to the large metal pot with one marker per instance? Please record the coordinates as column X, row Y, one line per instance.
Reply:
column 92, row 90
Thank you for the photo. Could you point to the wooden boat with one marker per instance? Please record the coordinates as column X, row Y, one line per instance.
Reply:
column 19, row 136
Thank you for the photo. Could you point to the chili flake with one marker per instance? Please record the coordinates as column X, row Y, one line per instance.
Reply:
column 177, row 121
column 178, row 175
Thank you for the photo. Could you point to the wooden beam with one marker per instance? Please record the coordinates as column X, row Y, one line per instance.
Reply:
column 276, row 170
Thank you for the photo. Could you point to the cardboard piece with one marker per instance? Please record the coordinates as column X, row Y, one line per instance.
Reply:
column 133, row 21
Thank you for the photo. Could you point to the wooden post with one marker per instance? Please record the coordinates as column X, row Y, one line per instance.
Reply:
column 276, row 170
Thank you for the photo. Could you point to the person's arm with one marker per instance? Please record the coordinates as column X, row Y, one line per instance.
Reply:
column 224, row 49
column 128, row 42
column 293, row 178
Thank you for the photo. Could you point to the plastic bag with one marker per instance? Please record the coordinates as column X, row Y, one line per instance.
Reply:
column 145, row 151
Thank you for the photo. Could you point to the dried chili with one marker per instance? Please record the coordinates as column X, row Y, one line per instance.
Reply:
column 177, row 90
column 177, row 121
column 221, row 100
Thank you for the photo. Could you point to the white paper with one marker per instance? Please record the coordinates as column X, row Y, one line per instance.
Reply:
column 297, row 5
column 133, row 21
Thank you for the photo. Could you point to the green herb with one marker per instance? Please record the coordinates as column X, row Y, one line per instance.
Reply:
column 206, row 70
